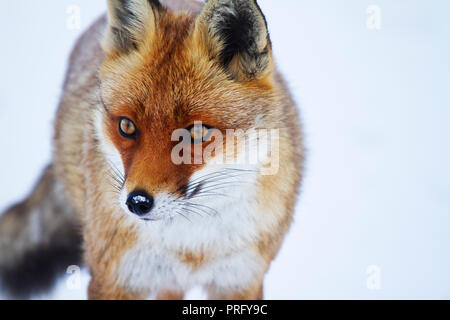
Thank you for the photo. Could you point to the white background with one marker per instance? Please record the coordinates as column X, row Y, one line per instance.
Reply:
column 376, row 109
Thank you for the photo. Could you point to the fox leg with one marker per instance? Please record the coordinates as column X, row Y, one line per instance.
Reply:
column 99, row 289
column 253, row 292
column 170, row 295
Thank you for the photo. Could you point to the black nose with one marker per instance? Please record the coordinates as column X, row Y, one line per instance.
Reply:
column 140, row 202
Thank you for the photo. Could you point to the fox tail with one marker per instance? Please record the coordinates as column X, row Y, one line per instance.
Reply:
column 39, row 238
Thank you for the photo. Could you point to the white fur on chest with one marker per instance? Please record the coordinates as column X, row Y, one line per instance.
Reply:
column 154, row 265
column 156, row 271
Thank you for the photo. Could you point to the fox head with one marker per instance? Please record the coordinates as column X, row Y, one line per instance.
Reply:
column 165, row 71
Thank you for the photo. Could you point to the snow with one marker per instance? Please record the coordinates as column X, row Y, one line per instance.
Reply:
column 376, row 110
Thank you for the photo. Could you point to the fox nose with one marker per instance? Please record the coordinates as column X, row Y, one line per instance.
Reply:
column 139, row 202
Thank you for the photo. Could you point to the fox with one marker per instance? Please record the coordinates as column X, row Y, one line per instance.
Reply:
column 113, row 198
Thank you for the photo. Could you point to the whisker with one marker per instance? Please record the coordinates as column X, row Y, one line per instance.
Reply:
column 116, row 171
column 192, row 211
column 215, row 179
column 117, row 181
column 223, row 171
column 208, row 194
column 116, row 186
column 201, row 208
column 222, row 185
column 180, row 213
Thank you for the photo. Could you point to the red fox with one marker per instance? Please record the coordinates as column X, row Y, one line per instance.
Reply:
column 145, row 224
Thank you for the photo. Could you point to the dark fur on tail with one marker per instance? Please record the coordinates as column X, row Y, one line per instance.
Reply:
column 39, row 239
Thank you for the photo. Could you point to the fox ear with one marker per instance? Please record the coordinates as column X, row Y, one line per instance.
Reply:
column 130, row 23
column 235, row 33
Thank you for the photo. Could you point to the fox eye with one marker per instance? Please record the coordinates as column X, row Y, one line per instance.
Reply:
column 127, row 128
column 199, row 133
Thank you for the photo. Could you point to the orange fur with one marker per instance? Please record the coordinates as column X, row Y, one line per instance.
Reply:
column 167, row 84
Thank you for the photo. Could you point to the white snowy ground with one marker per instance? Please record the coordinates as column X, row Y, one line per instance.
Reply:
column 376, row 109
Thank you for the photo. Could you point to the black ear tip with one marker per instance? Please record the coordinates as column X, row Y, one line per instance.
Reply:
column 155, row 4
column 261, row 12
column 126, row 27
column 241, row 29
